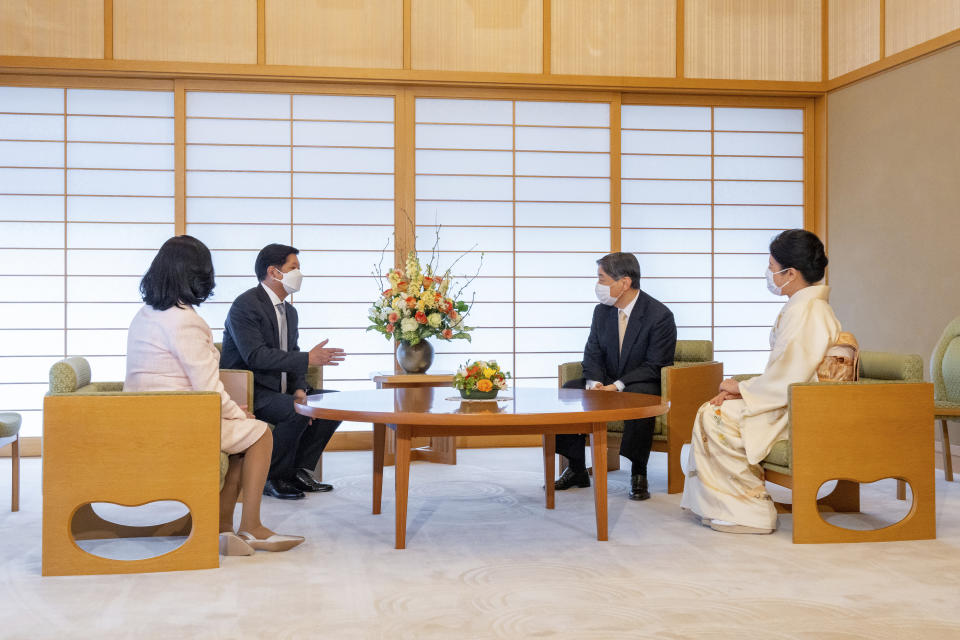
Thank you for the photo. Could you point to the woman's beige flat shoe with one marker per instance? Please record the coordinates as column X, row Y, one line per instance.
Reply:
column 730, row 527
column 233, row 545
column 276, row 542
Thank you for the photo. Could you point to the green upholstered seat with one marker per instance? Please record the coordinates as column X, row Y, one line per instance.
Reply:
column 688, row 352
column 9, row 424
column 72, row 376
column 875, row 367
column 945, row 371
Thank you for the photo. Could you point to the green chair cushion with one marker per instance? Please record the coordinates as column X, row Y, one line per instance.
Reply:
column 780, row 454
column 224, row 463
column 885, row 366
column 945, row 364
column 9, row 424
column 66, row 376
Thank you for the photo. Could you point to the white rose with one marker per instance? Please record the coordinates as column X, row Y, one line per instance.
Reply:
column 434, row 320
column 408, row 325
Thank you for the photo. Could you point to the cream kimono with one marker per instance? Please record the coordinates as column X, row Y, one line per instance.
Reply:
column 724, row 478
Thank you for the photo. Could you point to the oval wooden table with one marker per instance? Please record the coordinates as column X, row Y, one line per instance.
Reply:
column 435, row 412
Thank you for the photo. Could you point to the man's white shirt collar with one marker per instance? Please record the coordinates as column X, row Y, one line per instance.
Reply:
column 274, row 298
column 629, row 308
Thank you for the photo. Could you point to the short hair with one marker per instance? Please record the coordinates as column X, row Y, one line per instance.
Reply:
column 619, row 265
column 801, row 250
column 181, row 273
column 272, row 255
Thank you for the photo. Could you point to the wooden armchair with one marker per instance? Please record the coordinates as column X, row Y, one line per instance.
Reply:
column 693, row 379
column 856, row 432
column 101, row 444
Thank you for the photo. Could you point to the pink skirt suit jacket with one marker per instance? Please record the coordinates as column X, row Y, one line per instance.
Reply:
column 172, row 350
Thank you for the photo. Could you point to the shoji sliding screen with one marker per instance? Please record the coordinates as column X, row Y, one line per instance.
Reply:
column 704, row 190
column 86, row 198
column 313, row 171
column 526, row 186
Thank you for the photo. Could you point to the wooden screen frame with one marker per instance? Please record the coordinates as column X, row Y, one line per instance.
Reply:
column 815, row 216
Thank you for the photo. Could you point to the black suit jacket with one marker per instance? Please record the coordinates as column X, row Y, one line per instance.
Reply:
column 649, row 344
column 251, row 340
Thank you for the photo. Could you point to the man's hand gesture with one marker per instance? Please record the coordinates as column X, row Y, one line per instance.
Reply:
column 327, row 357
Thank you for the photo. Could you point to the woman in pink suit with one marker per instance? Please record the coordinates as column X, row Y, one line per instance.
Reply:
column 170, row 348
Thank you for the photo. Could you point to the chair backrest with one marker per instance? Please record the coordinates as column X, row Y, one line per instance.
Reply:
column 66, row 376
column 688, row 351
column 945, row 364
column 314, row 373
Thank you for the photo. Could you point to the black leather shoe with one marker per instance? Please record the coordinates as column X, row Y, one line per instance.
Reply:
column 305, row 481
column 570, row 478
column 282, row 489
column 638, row 488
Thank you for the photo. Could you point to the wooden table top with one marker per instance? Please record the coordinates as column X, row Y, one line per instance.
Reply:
column 430, row 406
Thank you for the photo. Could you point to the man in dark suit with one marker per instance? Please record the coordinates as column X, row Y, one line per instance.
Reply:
column 632, row 336
column 260, row 334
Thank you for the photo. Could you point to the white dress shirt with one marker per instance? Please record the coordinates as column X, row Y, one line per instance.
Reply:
column 626, row 310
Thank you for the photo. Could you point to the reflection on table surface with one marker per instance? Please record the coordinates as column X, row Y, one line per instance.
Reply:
column 442, row 401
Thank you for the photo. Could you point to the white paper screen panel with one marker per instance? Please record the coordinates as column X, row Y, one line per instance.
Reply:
column 704, row 190
column 312, row 171
column 527, row 186
column 86, row 199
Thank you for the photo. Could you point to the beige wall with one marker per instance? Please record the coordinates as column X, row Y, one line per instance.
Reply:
column 894, row 204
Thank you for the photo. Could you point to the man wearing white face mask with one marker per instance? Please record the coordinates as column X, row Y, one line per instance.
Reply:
column 632, row 336
column 261, row 334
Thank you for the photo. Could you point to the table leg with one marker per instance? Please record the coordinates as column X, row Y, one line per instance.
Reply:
column 598, row 444
column 402, row 477
column 549, row 458
column 379, row 444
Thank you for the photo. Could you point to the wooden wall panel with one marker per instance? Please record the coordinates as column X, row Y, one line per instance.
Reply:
column 335, row 33
column 911, row 22
column 186, row 30
column 478, row 35
column 753, row 39
column 51, row 28
column 614, row 37
column 854, row 34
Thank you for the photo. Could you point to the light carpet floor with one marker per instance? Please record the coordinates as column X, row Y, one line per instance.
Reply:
column 486, row 560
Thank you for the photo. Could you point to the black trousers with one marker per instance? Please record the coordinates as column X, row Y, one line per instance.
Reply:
column 637, row 434
column 297, row 444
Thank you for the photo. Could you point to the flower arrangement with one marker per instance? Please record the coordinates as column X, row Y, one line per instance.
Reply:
column 483, row 378
column 418, row 305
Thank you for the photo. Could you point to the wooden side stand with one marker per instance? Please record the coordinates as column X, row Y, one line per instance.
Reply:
column 441, row 449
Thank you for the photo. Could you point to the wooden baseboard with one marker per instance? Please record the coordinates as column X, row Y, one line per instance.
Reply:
column 30, row 447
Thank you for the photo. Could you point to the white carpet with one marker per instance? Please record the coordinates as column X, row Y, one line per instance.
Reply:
column 486, row 560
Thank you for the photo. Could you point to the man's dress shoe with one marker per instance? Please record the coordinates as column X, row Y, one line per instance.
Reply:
column 304, row 481
column 570, row 478
column 282, row 489
column 638, row 488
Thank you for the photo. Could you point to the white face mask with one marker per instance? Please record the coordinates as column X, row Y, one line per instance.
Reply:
column 772, row 286
column 603, row 294
column 291, row 280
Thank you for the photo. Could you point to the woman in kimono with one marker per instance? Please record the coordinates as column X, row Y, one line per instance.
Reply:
column 736, row 430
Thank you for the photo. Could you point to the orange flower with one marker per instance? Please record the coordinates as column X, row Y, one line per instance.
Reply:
column 447, row 333
column 392, row 318
column 421, row 317
column 411, row 302
column 427, row 282
column 484, row 385
column 402, row 285
column 387, row 293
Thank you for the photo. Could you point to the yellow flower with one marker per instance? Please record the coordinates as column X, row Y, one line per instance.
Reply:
column 488, row 372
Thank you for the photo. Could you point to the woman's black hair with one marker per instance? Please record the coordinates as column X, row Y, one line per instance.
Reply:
column 801, row 250
column 181, row 273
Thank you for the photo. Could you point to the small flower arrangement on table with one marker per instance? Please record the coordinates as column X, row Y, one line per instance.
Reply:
column 480, row 380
